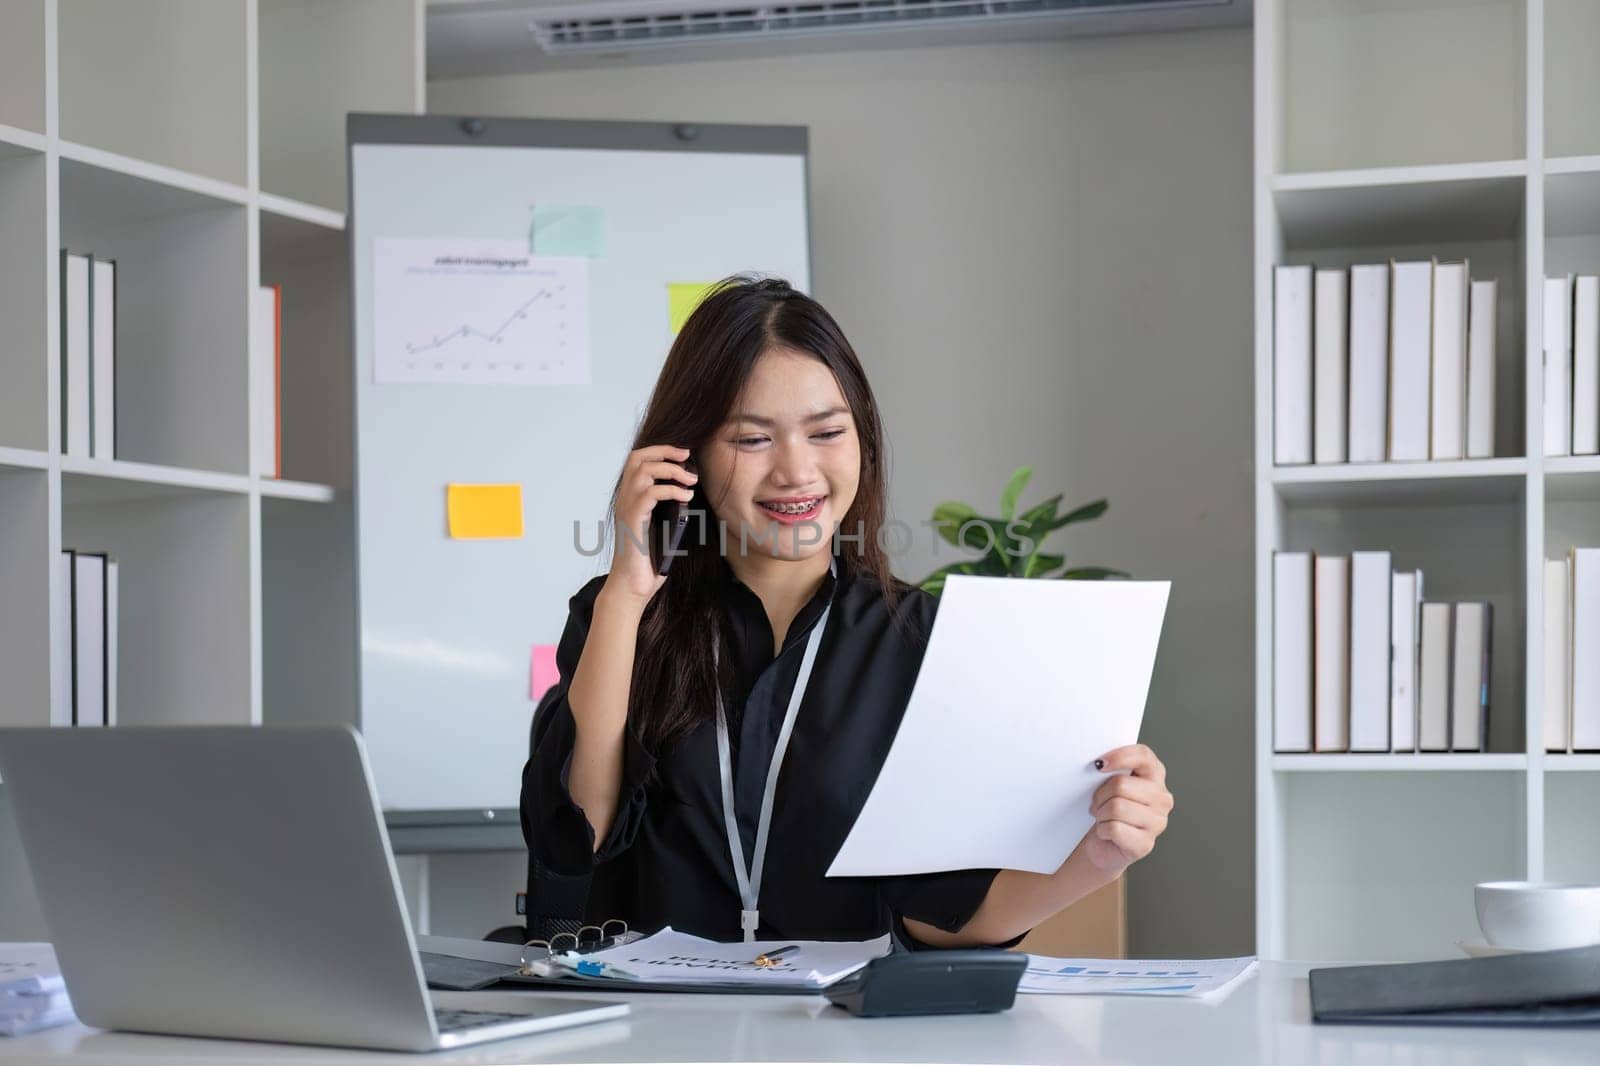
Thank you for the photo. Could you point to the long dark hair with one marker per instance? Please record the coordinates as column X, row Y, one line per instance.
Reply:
column 739, row 320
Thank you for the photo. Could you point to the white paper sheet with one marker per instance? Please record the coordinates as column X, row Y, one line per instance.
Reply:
column 32, row 993
column 1205, row 979
column 679, row 958
column 478, row 313
column 1023, row 685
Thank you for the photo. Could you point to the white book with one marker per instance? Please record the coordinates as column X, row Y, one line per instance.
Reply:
column 1448, row 421
column 1586, row 365
column 1291, row 651
column 76, row 355
column 1291, row 365
column 1469, row 690
column 1405, row 629
column 1557, row 655
column 1558, row 366
column 61, row 640
column 1410, row 334
column 1433, row 688
column 89, row 639
column 1371, row 603
column 264, row 381
column 1369, row 362
column 103, row 347
column 1481, row 326
column 1331, row 362
column 1585, row 637
column 1331, row 636
column 111, row 641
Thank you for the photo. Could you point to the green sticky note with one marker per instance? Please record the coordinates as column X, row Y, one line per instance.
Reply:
column 682, row 298
column 567, row 229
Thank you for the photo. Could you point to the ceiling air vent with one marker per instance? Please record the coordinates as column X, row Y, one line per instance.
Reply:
column 645, row 25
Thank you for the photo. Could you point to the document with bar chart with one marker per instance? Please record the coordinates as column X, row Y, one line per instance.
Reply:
column 478, row 313
column 1205, row 979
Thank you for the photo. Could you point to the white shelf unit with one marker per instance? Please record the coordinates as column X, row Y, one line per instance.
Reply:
column 200, row 143
column 1409, row 130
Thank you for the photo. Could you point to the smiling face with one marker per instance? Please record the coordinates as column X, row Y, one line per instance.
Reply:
column 786, row 463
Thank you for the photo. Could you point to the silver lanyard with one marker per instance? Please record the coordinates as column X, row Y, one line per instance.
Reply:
column 750, row 881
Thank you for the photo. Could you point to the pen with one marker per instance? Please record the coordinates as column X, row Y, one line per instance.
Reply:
column 770, row 958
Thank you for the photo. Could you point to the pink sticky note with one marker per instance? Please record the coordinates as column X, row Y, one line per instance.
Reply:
column 545, row 673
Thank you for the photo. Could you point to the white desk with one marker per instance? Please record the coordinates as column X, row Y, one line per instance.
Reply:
column 1266, row 1020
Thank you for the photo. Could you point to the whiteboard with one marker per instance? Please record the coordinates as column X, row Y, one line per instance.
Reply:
column 448, row 627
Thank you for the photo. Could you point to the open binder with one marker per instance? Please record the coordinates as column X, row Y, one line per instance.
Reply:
column 665, row 961
column 456, row 964
column 1534, row 988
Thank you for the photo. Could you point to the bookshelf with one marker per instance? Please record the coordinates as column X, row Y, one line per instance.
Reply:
column 200, row 143
column 1391, row 131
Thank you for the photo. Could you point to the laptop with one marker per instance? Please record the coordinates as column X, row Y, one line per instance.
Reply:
column 233, row 882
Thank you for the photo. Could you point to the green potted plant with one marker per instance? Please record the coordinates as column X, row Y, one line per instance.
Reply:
column 1012, row 544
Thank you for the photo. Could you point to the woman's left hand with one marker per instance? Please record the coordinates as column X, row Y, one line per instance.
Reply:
column 1130, row 810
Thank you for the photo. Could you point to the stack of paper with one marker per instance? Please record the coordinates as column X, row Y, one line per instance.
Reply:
column 671, row 957
column 1203, row 979
column 32, row 994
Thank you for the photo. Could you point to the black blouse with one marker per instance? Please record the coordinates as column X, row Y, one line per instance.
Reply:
column 665, row 858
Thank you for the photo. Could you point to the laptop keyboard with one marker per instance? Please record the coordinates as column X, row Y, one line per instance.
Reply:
column 454, row 1021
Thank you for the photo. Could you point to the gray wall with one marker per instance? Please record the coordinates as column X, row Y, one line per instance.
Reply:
column 1042, row 254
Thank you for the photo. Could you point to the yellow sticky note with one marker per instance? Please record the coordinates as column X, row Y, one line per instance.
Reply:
column 682, row 298
column 479, row 512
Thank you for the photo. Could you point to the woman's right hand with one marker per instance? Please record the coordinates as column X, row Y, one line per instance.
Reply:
column 632, row 574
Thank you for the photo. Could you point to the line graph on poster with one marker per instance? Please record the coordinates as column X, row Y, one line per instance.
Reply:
column 478, row 313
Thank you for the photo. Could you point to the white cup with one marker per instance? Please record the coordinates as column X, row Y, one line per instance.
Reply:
column 1538, row 915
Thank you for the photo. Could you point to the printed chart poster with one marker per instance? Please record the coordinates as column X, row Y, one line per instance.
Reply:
column 478, row 313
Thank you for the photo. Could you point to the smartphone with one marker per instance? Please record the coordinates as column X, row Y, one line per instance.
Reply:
column 667, row 521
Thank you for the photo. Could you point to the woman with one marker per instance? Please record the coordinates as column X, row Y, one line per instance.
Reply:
column 777, row 648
